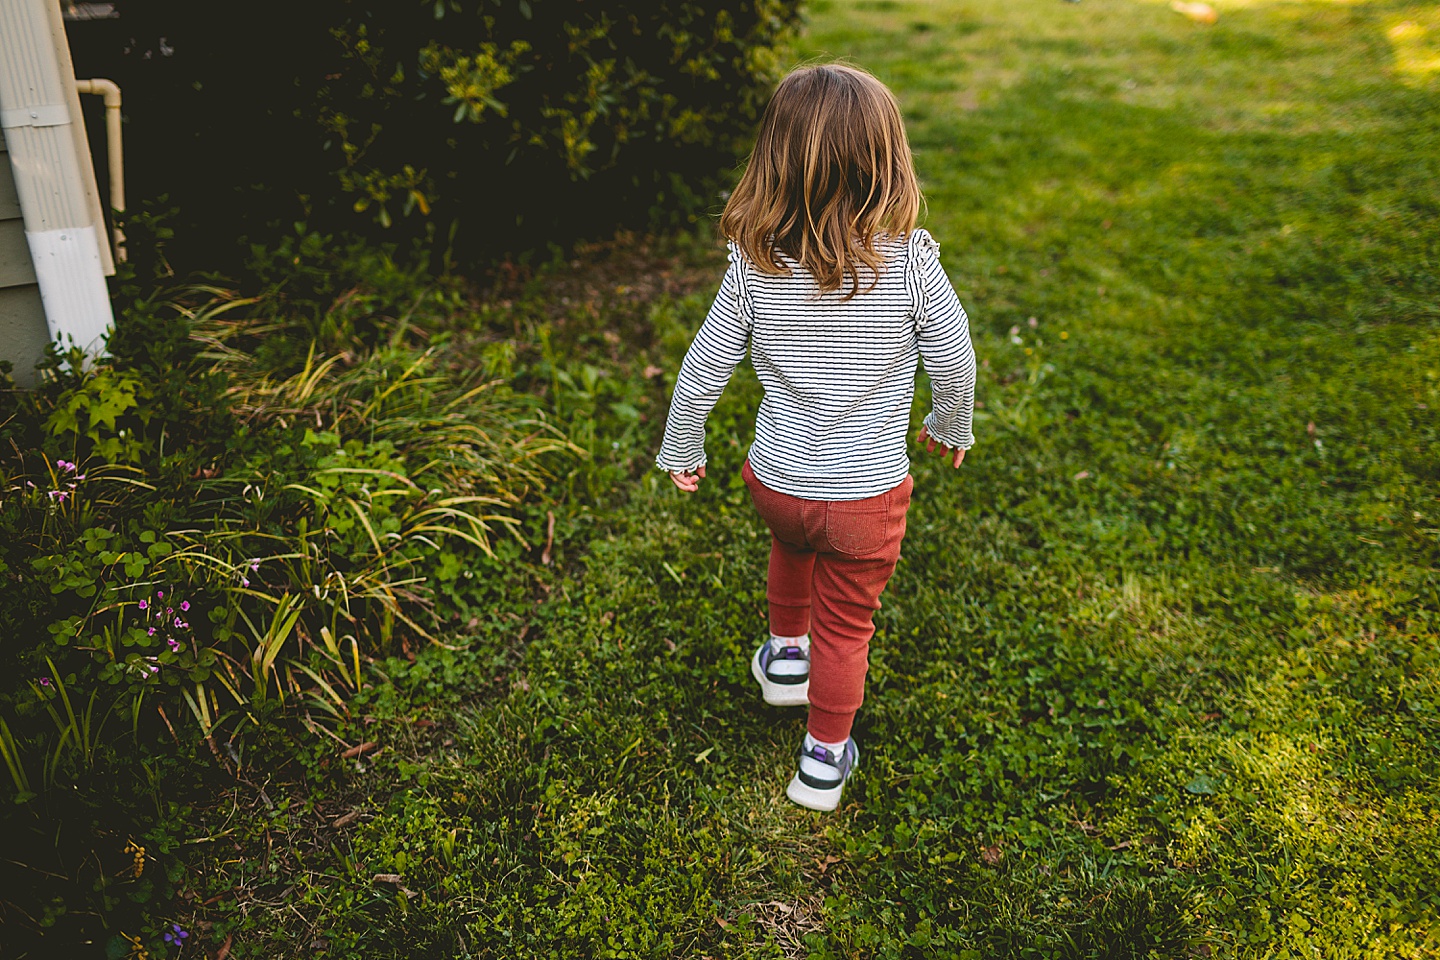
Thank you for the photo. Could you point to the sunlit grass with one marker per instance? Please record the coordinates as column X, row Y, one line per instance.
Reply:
column 1157, row 674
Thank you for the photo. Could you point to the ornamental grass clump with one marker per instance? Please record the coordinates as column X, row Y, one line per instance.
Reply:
column 242, row 507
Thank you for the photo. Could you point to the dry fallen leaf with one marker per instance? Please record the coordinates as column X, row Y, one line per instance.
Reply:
column 549, row 537
column 1199, row 12
column 991, row 855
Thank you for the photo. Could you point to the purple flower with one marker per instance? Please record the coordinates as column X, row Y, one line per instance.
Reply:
column 160, row 594
column 144, row 605
column 44, row 681
column 63, row 465
column 150, row 632
column 244, row 582
column 184, row 605
column 174, row 645
column 154, row 669
column 178, row 622
column 30, row 484
column 254, row 565
column 176, row 934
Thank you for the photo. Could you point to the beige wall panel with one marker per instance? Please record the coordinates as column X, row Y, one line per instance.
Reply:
column 9, row 202
column 15, row 265
column 23, row 331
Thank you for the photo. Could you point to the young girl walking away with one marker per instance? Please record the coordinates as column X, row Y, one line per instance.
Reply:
column 836, row 294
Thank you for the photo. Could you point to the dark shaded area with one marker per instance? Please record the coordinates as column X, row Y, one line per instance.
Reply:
column 481, row 129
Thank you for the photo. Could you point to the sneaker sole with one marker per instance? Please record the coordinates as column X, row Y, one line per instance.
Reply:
column 779, row 694
column 812, row 799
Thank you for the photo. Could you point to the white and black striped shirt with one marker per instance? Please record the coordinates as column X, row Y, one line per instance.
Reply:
column 839, row 376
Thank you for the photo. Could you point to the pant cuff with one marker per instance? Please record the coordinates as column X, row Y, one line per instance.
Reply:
column 829, row 726
column 788, row 621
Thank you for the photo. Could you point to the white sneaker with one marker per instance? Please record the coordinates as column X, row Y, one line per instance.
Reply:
column 821, row 776
column 783, row 672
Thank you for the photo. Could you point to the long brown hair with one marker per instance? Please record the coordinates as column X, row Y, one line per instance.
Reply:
column 830, row 174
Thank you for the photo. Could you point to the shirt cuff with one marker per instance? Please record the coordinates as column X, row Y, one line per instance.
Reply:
column 673, row 466
column 953, row 439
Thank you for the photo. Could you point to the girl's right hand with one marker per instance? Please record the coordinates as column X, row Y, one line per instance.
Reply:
column 689, row 482
column 956, row 456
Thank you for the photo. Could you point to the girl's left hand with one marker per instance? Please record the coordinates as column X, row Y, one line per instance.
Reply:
column 928, row 442
column 689, row 482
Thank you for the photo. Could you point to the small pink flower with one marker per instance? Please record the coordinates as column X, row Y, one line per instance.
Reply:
column 174, row 645
column 144, row 605
column 44, row 681
column 160, row 594
column 244, row 582
column 30, row 484
column 184, row 605
column 150, row 632
column 154, row 669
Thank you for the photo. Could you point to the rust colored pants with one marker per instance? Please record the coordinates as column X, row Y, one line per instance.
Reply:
column 829, row 563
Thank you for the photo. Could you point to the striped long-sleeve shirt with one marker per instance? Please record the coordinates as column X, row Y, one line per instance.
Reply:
column 839, row 375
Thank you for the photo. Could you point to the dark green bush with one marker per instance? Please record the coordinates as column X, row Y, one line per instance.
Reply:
column 247, row 503
column 498, row 125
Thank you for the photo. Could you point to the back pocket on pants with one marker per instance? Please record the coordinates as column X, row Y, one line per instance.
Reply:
column 857, row 527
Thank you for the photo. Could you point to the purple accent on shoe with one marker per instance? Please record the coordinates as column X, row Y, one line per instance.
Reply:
column 843, row 764
column 769, row 656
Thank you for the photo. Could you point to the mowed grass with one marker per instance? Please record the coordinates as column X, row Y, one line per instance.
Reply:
column 1157, row 675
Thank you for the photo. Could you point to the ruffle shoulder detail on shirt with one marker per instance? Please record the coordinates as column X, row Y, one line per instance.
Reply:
column 740, row 267
column 922, row 250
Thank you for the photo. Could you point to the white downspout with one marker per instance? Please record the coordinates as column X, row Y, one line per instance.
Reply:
column 36, row 98
column 114, row 148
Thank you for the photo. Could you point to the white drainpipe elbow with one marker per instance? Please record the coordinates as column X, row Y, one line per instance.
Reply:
column 111, row 93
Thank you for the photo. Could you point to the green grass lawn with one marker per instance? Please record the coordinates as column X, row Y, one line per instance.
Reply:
column 1157, row 675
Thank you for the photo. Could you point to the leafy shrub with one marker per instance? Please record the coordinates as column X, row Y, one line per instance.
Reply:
column 527, row 121
column 238, row 508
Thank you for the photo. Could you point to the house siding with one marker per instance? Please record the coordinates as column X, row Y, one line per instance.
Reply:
column 23, row 331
